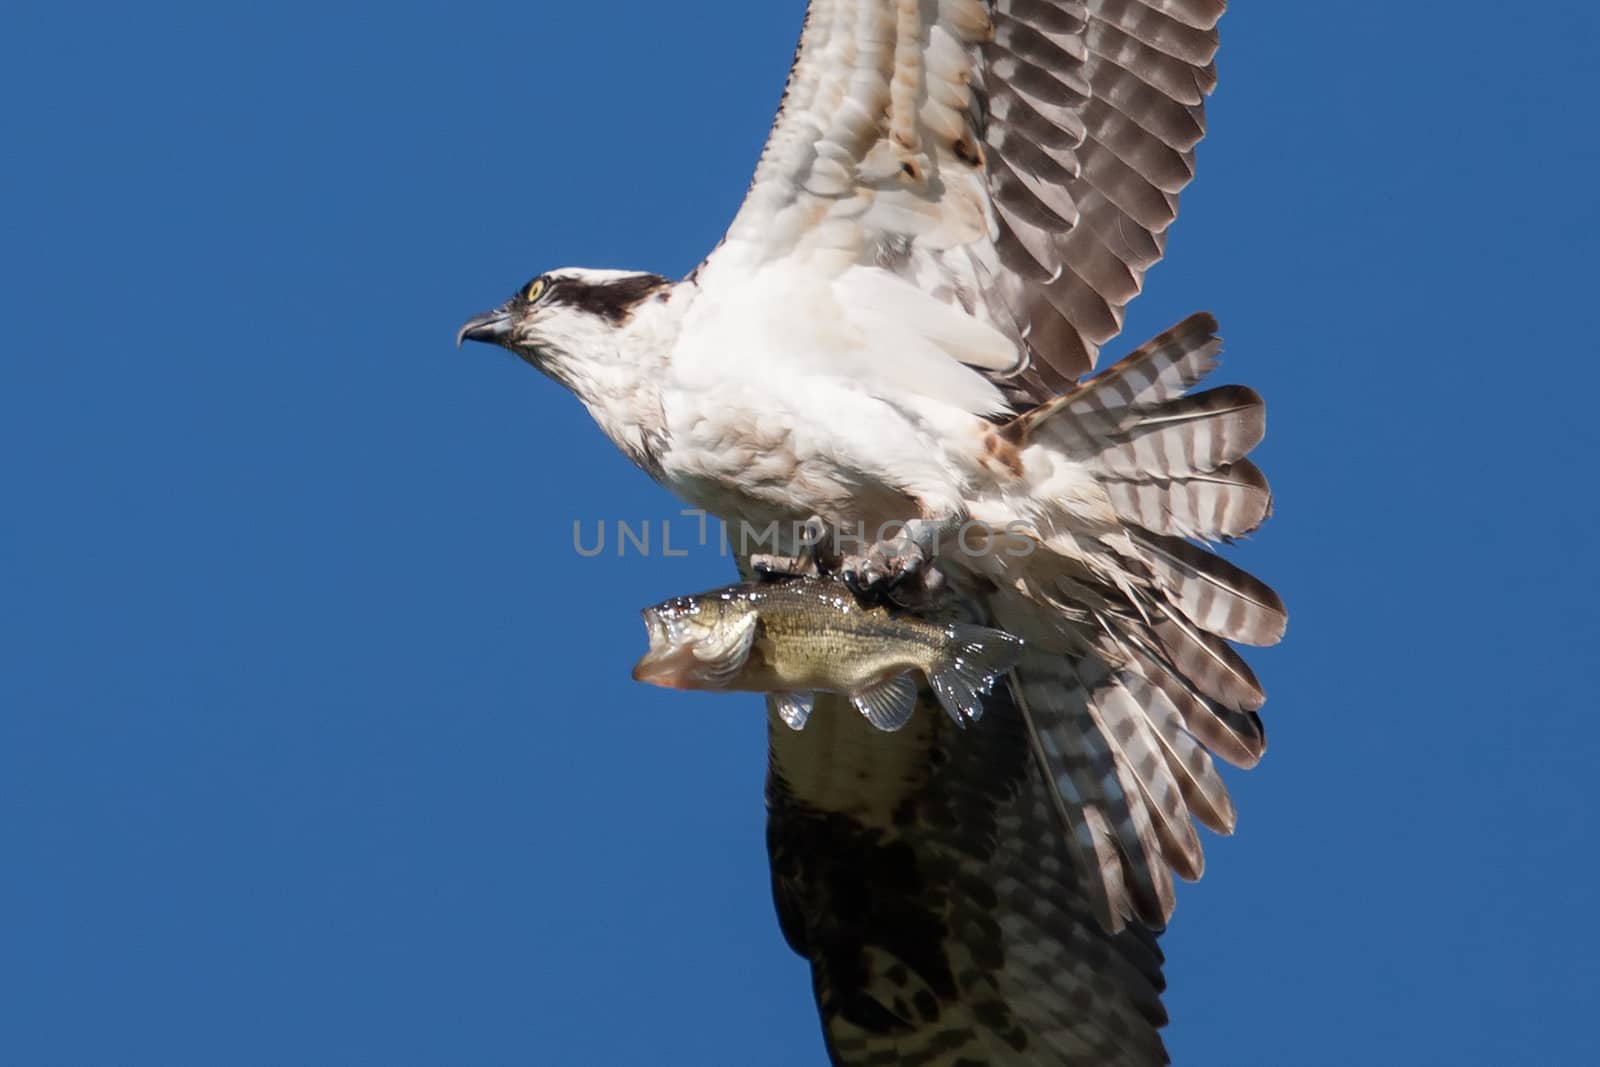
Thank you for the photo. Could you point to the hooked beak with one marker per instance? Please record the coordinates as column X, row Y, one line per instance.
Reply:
column 492, row 327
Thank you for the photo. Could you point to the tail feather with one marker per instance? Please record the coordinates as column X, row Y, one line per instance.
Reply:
column 1097, row 863
column 1160, row 369
column 1134, row 737
column 1234, row 734
column 1143, row 688
column 1065, row 701
column 1214, row 669
column 1216, row 596
column 1164, row 367
column 1193, row 435
column 1187, row 759
column 1218, row 505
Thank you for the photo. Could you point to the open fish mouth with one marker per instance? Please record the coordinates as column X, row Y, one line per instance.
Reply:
column 685, row 656
column 671, row 667
column 669, row 661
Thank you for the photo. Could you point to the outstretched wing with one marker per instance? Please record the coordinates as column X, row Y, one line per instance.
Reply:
column 1014, row 165
column 1019, row 158
column 923, row 875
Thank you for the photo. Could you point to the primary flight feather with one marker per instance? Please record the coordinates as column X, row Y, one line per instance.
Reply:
column 957, row 201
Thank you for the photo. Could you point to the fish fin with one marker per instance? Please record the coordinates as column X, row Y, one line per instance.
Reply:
column 724, row 654
column 889, row 704
column 974, row 658
column 794, row 708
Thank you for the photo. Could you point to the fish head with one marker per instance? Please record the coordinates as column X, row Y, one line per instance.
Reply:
column 696, row 642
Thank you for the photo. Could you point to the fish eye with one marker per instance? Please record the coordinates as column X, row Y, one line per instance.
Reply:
column 534, row 290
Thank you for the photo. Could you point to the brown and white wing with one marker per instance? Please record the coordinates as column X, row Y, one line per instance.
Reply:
column 924, row 876
column 1021, row 158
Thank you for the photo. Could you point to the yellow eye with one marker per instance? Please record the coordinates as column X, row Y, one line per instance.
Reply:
column 534, row 291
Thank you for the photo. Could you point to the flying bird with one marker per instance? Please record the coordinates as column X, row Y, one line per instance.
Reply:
column 957, row 201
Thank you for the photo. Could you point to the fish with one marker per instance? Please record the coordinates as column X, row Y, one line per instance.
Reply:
column 798, row 637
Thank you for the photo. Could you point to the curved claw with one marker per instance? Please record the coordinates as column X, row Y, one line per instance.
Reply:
column 883, row 567
column 770, row 568
column 812, row 558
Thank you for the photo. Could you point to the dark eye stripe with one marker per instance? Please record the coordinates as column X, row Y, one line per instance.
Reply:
column 613, row 301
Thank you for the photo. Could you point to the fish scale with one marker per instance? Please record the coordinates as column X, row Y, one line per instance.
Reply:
column 800, row 636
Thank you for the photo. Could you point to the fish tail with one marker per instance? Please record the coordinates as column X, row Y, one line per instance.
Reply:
column 973, row 657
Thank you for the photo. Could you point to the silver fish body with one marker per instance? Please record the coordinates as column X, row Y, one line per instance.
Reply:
column 798, row 637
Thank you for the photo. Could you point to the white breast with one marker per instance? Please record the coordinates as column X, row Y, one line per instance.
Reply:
column 790, row 391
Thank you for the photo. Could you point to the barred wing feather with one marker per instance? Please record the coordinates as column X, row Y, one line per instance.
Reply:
column 1022, row 158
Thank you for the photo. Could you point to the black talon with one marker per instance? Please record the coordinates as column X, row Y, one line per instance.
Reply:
column 866, row 588
column 815, row 547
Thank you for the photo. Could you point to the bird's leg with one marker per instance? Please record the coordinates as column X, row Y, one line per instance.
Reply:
column 894, row 567
column 812, row 559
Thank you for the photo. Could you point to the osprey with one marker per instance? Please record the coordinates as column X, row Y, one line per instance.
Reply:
column 957, row 201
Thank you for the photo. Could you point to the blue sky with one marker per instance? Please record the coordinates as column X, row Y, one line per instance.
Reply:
column 317, row 741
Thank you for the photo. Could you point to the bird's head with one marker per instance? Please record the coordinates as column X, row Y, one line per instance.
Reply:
column 565, row 321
